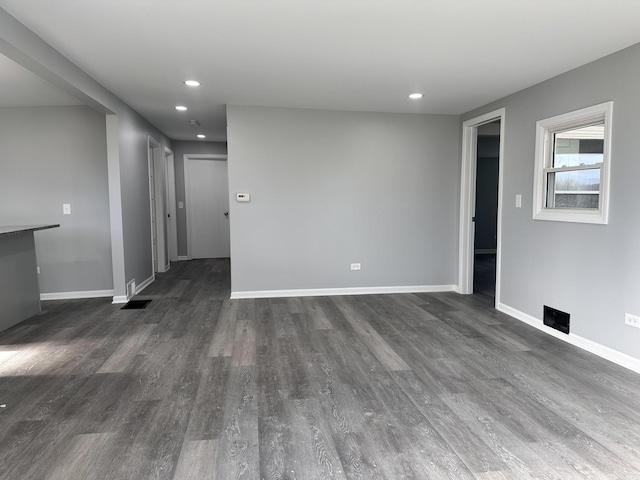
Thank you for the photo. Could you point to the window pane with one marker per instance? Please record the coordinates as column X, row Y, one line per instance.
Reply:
column 576, row 189
column 580, row 146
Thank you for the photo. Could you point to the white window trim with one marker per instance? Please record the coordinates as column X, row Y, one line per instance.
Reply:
column 546, row 128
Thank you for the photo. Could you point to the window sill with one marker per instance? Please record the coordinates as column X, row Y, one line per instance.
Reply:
column 571, row 215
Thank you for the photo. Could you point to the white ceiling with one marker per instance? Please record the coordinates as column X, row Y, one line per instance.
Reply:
column 21, row 88
column 362, row 55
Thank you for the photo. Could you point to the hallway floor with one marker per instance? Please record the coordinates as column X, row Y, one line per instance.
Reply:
column 484, row 274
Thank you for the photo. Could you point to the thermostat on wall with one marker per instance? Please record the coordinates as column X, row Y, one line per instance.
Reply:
column 243, row 197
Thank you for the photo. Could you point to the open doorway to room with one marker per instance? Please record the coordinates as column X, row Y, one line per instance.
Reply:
column 480, row 205
column 486, row 213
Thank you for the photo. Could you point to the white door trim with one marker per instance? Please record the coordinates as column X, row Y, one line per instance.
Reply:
column 187, row 189
column 171, row 205
column 154, row 193
column 468, row 200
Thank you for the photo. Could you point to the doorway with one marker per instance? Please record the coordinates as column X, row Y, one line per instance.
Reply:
column 207, row 195
column 484, row 179
column 486, row 208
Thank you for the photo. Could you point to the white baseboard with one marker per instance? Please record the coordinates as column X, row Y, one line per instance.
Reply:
column 324, row 292
column 607, row 353
column 145, row 284
column 76, row 295
column 137, row 290
column 182, row 257
column 120, row 299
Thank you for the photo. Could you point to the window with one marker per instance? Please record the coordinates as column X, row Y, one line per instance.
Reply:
column 571, row 182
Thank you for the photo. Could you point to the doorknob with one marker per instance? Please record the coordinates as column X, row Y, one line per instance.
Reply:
column 226, row 214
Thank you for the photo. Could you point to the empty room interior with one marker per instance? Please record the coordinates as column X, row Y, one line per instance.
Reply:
column 319, row 240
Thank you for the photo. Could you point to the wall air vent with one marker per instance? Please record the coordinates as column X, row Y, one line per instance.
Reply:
column 556, row 319
column 131, row 289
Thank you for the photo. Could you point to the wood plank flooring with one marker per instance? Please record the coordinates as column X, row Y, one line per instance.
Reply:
column 413, row 386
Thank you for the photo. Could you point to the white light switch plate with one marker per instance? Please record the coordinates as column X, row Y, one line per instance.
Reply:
column 518, row 201
column 66, row 209
column 180, row 205
column 243, row 197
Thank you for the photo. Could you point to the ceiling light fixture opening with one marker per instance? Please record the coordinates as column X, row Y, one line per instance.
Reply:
column 192, row 83
column 182, row 108
column 416, row 96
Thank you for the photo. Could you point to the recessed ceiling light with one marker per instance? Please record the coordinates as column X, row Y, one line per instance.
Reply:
column 201, row 136
column 182, row 108
column 192, row 83
column 416, row 96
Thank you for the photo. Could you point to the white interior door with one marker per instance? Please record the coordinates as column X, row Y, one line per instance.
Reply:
column 157, row 198
column 161, row 211
column 152, row 200
column 172, row 228
column 208, row 208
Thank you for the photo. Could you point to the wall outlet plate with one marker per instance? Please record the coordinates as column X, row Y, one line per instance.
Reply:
column 633, row 320
column 355, row 266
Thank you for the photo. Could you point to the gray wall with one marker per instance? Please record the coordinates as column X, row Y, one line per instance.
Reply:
column 180, row 148
column 134, row 188
column 590, row 271
column 50, row 156
column 128, row 185
column 333, row 188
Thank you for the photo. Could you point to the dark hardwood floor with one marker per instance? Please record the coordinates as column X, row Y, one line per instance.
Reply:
column 413, row 386
column 484, row 274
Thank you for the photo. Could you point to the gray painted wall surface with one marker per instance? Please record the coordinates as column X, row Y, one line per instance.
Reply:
column 180, row 148
column 50, row 156
column 590, row 271
column 134, row 188
column 133, row 256
column 333, row 188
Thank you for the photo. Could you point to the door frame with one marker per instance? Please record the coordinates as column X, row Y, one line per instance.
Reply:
column 172, row 235
column 468, row 201
column 157, row 188
column 187, row 188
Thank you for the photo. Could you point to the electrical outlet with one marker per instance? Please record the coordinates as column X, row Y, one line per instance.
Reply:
column 355, row 266
column 632, row 320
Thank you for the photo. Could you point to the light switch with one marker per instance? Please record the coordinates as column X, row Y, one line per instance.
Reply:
column 180, row 204
column 66, row 209
column 243, row 197
column 518, row 201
